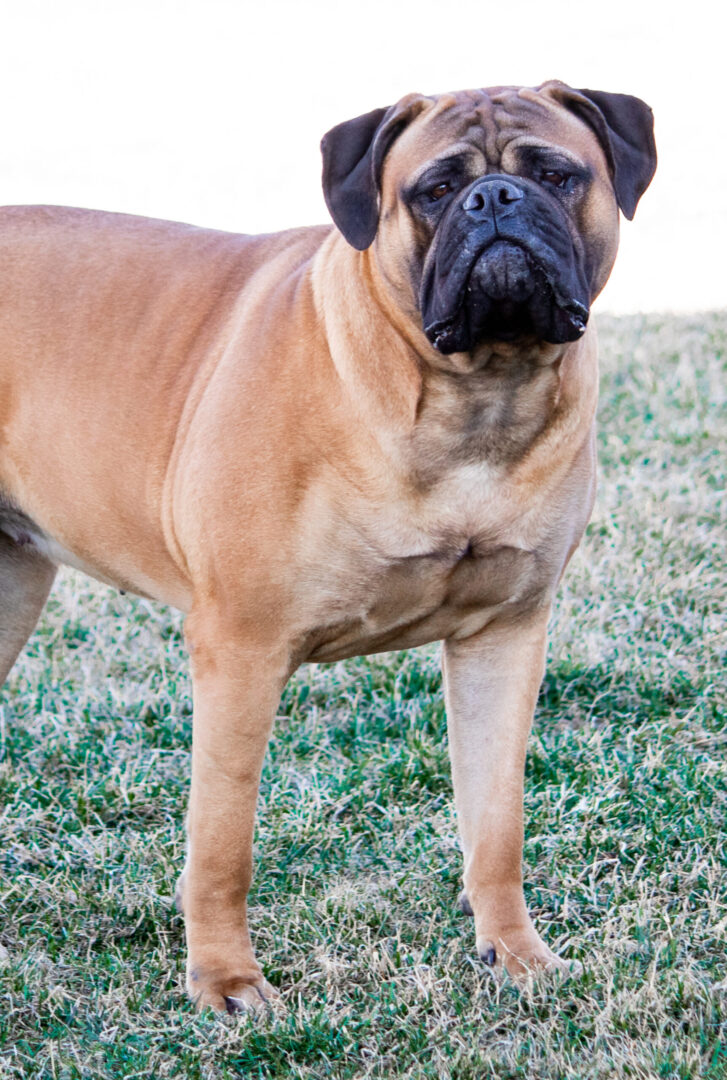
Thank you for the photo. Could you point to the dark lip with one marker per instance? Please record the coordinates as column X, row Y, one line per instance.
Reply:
column 440, row 329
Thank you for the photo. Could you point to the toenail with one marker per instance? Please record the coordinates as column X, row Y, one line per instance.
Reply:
column 464, row 904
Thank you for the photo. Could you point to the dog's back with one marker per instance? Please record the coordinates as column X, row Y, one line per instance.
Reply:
column 140, row 311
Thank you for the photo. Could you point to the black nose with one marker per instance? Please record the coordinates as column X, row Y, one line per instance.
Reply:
column 489, row 195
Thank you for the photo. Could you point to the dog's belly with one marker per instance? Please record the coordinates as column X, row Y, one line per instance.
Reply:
column 424, row 598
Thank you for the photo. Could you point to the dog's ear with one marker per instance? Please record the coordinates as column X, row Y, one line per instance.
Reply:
column 353, row 157
column 625, row 128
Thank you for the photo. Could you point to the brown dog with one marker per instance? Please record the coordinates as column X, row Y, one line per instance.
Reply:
column 328, row 442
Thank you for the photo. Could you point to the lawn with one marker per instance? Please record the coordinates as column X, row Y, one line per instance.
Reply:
column 357, row 862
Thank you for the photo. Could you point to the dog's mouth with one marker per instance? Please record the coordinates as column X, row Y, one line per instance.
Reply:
column 508, row 294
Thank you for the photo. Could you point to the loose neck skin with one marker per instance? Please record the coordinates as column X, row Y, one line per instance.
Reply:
column 512, row 406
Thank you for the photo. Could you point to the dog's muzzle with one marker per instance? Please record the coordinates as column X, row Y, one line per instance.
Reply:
column 504, row 264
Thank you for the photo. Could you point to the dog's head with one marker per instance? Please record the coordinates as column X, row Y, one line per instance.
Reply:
column 493, row 213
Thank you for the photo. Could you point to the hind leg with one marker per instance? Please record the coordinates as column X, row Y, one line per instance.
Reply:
column 25, row 580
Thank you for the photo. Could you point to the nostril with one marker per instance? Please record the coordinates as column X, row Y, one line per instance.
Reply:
column 474, row 202
column 508, row 193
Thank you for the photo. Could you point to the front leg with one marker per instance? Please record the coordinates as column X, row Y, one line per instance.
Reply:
column 491, row 685
column 236, row 687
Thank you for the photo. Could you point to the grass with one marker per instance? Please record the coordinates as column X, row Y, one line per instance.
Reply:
column 353, row 909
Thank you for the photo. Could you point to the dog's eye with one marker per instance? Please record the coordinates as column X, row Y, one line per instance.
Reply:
column 439, row 191
column 554, row 178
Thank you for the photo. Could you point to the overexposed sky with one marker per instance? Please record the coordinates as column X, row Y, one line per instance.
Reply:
column 211, row 111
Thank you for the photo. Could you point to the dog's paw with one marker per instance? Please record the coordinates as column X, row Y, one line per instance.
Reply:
column 230, row 994
column 523, row 955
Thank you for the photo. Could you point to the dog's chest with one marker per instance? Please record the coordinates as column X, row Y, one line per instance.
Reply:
column 391, row 578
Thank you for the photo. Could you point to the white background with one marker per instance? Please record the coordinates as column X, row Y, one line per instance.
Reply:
column 211, row 111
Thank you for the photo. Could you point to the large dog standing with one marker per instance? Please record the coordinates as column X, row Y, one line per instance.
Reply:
column 327, row 442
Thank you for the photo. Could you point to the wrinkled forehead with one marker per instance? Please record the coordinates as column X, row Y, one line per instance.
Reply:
column 491, row 124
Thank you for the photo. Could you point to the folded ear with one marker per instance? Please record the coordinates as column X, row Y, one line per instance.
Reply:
column 353, row 157
column 625, row 128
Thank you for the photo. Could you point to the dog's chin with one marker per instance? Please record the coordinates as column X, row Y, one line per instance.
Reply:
column 509, row 297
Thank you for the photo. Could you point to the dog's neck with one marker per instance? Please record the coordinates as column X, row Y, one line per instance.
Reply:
column 427, row 411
